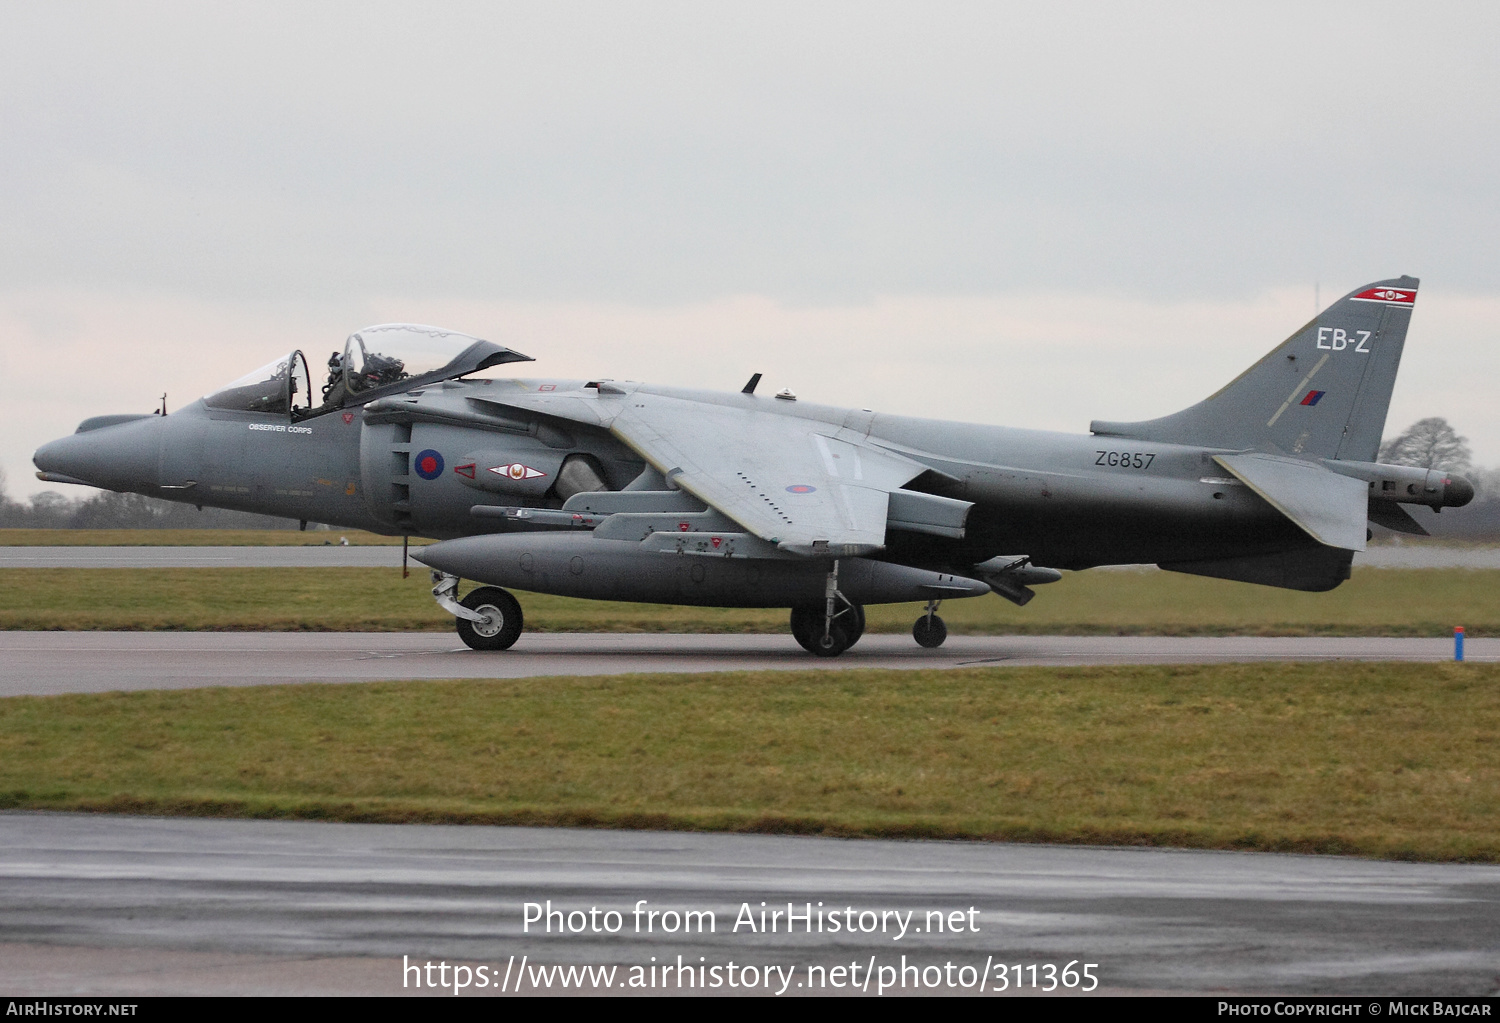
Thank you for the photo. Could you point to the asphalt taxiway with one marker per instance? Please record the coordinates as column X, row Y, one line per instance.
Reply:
column 42, row 663
column 146, row 905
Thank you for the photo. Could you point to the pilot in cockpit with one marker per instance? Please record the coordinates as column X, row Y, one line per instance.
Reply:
column 334, row 390
column 371, row 370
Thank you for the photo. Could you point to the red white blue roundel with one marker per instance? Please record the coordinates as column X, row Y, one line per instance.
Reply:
column 801, row 488
column 429, row 464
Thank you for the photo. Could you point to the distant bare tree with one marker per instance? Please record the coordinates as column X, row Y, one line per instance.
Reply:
column 1487, row 483
column 105, row 510
column 1429, row 443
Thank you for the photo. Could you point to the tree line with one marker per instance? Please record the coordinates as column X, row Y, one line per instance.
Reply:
column 104, row 509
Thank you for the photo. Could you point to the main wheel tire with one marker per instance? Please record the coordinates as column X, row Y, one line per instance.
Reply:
column 503, row 626
column 807, row 625
column 856, row 627
column 832, row 641
column 807, row 622
column 929, row 632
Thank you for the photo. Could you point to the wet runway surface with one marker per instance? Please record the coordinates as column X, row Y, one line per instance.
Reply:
column 1407, row 556
column 178, row 904
column 40, row 663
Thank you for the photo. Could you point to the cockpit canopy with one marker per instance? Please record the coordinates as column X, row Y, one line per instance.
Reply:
column 276, row 388
column 392, row 352
column 376, row 360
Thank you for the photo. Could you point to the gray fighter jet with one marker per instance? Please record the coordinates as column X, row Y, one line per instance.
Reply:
column 618, row 490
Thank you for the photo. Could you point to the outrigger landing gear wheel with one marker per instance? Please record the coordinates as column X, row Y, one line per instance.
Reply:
column 929, row 631
column 502, row 624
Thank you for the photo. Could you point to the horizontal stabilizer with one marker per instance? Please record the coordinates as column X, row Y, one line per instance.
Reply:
column 1329, row 507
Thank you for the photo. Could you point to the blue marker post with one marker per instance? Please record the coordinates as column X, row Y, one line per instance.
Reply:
column 1458, row 642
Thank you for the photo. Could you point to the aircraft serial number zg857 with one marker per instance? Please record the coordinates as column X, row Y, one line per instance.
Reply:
column 617, row 490
column 1126, row 459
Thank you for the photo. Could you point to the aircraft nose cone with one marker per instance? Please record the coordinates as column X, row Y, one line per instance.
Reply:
column 64, row 457
column 122, row 457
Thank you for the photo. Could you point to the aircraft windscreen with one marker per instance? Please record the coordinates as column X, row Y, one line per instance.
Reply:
column 387, row 354
column 267, row 389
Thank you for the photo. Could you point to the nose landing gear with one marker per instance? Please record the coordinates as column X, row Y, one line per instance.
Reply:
column 500, row 626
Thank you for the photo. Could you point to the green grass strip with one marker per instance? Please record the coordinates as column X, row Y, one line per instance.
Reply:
column 1374, row 759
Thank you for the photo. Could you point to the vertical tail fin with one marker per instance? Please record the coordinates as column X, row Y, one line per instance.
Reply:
column 1323, row 392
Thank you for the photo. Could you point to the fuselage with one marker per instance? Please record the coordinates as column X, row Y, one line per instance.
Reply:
column 1068, row 500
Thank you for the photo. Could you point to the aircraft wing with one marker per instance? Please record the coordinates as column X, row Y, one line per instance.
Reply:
column 810, row 487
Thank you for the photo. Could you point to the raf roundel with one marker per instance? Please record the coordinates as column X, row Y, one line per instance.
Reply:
column 429, row 464
column 801, row 488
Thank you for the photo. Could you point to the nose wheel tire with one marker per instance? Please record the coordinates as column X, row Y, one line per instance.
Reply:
column 502, row 624
column 807, row 626
column 929, row 631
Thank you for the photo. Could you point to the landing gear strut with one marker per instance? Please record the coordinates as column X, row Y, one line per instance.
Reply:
column 930, row 630
column 831, row 627
column 488, row 618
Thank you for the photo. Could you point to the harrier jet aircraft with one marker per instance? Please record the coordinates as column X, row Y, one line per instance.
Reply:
column 618, row 490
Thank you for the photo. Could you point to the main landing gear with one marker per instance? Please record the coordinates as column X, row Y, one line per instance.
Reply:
column 835, row 625
column 829, row 628
column 808, row 628
column 930, row 630
column 489, row 618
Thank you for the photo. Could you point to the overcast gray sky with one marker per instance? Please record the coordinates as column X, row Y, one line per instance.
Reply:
column 1016, row 213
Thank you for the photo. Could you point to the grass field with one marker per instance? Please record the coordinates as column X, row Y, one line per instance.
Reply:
column 1389, row 760
column 190, row 538
column 1392, row 602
